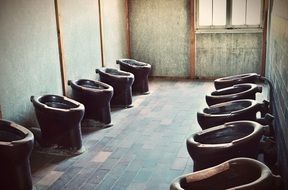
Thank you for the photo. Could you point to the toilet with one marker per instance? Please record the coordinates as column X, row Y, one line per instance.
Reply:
column 215, row 145
column 60, row 120
column 140, row 70
column 238, row 173
column 235, row 79
column 219, row 114
column 121, row 81
column 16, row 144
column 235, row 92
column 96, row 97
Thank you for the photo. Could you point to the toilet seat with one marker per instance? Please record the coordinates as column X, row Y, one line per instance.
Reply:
column 96, row 97
column 238, row 173
column 235, row 79
column 140, row 70
column 16, row 144
column 56, row 103
column 230, row 111
column 121, row 82
column 90, row 85
column 235, row 92
column 220, row 143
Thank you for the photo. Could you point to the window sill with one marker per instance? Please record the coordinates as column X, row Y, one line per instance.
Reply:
column 228, row 31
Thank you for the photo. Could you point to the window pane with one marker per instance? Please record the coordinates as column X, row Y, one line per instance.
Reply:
column 238, row 12
column 253, row 12
column 219, row 12
column 205, row 12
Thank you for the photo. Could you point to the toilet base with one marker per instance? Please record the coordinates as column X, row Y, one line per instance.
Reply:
column 140, row 93
column 92, row 124
column 55, row 145
column 121, row 106
column 58, row 151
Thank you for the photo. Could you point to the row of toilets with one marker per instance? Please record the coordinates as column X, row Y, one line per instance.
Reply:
column 225, row 152
column 60, row 117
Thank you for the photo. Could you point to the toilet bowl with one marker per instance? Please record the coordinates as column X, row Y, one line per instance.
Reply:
column 218, row 144
column 16, row 143
column 219, row 114
column 236, row 92
column 236, row 174
column 121, row 82
column 235, row 79
column 140, row 70
column 96, row 97
column 60, row 120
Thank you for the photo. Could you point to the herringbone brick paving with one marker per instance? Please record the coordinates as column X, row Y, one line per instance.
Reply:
column 144, row 149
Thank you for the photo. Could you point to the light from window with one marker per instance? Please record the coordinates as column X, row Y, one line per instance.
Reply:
column 205, row 12
column 229, row 13
column 219, row 12
column 253, row 12
column 238, row 12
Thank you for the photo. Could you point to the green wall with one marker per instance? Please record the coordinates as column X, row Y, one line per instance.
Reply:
column 277, row 71
column 114, row 31
column 29, row 61
column 81, row 38
column 224, row 54
column 160, row 35
column 29, row 56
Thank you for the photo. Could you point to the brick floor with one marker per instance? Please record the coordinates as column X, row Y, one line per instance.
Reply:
column 144, row 149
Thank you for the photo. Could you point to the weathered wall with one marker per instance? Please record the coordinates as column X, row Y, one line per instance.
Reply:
column 114, row 31
column 81, row 38
column 277, row 71
column 223, row 54
column 160, row 35
column 29, row 62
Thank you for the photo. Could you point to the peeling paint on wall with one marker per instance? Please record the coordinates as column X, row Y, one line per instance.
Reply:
column 81, row 38
column 223, row 54
column 114, row 31
column 277, row 71
column 29, row 61
column 160, row 35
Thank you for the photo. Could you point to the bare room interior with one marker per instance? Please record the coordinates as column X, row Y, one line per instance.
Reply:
column 143, row 94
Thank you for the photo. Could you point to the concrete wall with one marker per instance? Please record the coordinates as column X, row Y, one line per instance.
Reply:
column 223, row 54
column 160, row 35
column 29, row 57
column 277, row 71
column 29, row 62
column 114, row 31
column 81, row 38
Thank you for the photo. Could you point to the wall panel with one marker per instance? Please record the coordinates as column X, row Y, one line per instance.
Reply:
column 29, row 62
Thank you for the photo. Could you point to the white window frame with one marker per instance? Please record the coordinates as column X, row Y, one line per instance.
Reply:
column 228, row 25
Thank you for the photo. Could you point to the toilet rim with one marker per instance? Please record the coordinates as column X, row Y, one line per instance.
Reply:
column 236, row 77
column 253, row 103
column 142, row 64
column 73, row 84
column 103, row 71
column 36, row 102
column 257, row 129
column 29, row 137
column 252, row 87
column 212, row 171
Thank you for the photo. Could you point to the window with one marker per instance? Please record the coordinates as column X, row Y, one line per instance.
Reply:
column 229, row 13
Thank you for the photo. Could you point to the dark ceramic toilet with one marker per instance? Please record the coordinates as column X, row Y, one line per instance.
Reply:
column 236, row 92
column 236, row 174
column 60, row 120
column 121, row 82
column 16, row 144
column 235, row 110
column 221, row 143
column 96, row 97
column 235, row 79
column 140, row 70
